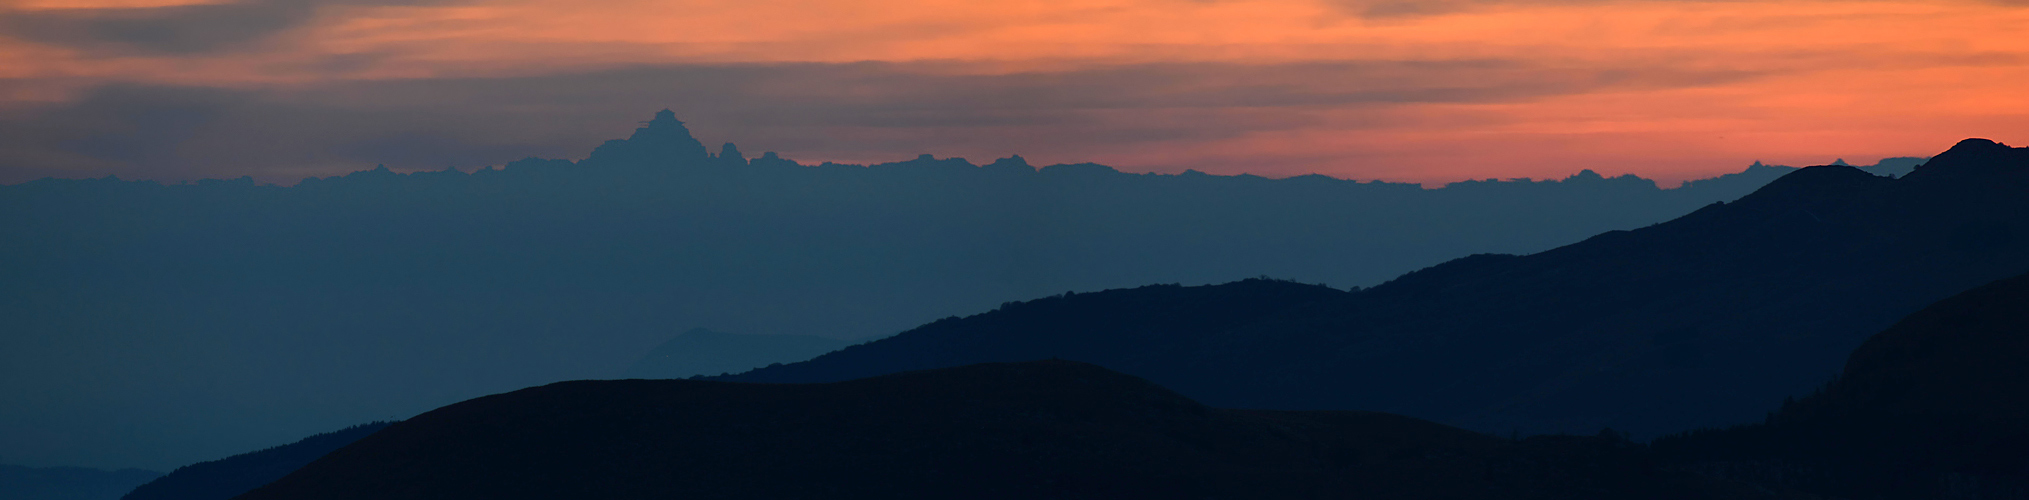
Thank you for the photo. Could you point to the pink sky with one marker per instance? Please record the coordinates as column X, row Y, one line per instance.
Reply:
column 1426, row 91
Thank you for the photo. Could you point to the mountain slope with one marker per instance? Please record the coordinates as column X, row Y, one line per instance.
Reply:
column 705, row 352
column 1704, row 320
column 1016, row 430
column 1121, row 329
column 228, row 477
column 1936, row 406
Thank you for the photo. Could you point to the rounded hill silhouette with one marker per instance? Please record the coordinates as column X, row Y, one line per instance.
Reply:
column 1045, row 429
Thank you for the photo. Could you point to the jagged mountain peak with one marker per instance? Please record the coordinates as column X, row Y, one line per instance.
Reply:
column 660, row 141
column 1012, row 163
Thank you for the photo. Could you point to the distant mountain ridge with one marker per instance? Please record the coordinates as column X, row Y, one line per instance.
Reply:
column 1704, row 320
column 379, row 294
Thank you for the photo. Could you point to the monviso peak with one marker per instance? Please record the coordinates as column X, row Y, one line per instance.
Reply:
column 661, row 141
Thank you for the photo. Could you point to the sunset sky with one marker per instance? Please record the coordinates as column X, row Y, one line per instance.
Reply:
column 1416, row 90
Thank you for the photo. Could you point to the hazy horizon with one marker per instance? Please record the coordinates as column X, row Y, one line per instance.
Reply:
column 566, row 270
column 1892, row 162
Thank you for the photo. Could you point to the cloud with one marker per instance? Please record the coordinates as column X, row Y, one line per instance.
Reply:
column 1381, row 9
column 167, row 30
column 118, row 129
column 176, row 30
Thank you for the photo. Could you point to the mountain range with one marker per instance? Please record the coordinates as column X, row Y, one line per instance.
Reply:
column 1701, row 322
column 1705, row 320
column 159, row 325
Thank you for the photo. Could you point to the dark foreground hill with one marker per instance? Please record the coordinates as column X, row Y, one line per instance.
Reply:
column 1019, row 430
column 1935, row 407
column 1708, row 319
column 228, row 477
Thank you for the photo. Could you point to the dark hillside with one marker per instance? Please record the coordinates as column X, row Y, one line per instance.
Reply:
column 1127, row 330
column 1935, row 407
column 1019, row 430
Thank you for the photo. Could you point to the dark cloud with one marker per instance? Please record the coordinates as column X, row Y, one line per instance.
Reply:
column 865, row 110
column 120, row 129
column 138, row 125
column 186, row 29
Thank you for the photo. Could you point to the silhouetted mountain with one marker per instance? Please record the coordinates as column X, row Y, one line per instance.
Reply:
column 229, row 477
column 282, row 311
column 705, row 352
column 663, row 141
column 68, row 483
column 1132, row 330
column 1704, row 320
column 1936, row 406
column 1046, row 429
column 1743, row 182
column 1894, row 167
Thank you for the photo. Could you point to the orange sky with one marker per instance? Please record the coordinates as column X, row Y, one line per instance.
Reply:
column 1422, row 90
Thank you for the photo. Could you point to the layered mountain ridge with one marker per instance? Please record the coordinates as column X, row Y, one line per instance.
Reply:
column 379, row 294
column 1704, row 320
column 1931, row 408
